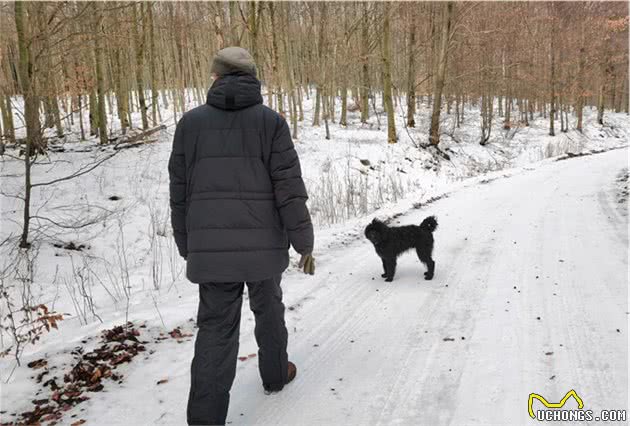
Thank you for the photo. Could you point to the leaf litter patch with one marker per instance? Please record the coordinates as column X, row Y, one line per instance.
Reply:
column 117, row 346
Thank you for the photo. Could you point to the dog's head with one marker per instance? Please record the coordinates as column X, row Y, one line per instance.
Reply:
column 376, row 231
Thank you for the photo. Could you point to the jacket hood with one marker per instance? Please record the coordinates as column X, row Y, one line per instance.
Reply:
column 235, row 91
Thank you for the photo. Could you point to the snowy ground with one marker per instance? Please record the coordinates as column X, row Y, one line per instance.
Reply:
column 531, row 285
column 520, row 237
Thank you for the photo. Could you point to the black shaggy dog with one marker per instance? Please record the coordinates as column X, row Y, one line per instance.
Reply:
column 391, row 242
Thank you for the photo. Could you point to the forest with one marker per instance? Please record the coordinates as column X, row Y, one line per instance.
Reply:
column 398, row 111
column 115, row 58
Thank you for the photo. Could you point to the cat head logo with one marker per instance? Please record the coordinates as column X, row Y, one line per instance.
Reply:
column 548, row 404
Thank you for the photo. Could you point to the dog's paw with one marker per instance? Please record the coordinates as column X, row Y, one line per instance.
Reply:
column 428, row 276
column 383, row 275
column 389, row 280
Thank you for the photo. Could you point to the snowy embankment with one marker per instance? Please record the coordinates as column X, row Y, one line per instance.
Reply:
column 128, row 268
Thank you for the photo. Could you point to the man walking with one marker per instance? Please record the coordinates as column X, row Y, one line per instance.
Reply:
column 237, row 201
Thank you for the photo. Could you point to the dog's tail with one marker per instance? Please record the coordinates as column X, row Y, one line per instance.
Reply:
column 429, row 224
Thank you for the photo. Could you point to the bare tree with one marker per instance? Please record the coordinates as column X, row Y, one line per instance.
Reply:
column 434, row 131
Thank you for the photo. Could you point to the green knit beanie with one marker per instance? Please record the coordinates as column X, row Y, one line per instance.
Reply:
column 233, row 59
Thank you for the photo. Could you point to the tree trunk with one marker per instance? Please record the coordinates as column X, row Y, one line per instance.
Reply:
column 387, row 76
column 31, row 103
column 365, row 77
column 277, row 86
column 600, row 102
column 606, row 76
column 486, row 117
column 288, row 54
column 122, row 91
column 580, row 81
column 411, row 72
column 552, row 76
column 507, row 120
column 8, row 127
column 152, row 64
column 344, row 77
column 100, row 82
column 320, row 58
column 434, row 131
column 139, row 47
column 47, row 79
column 253, row 19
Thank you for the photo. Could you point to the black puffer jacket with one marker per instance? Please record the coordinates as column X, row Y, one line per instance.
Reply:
column 236, row 189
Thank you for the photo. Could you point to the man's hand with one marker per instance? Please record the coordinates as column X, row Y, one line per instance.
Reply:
column 307, row 261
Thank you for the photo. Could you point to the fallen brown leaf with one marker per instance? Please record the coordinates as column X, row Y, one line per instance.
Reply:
column 38, row 363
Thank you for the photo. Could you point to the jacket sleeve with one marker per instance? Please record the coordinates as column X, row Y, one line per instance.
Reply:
column 289, row 189
column 177, row 189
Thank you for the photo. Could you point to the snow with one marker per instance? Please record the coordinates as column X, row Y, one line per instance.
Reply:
column 367, row 352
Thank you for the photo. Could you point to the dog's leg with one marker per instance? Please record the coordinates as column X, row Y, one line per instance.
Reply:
column 431, row 266
column 426, row 259
column 390, row 269
column 384, row 274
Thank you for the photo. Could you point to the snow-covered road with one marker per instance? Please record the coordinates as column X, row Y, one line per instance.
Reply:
column 531, row 285
column 530, row 295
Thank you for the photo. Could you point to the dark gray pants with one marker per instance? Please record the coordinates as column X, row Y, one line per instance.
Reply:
column 216, row 348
